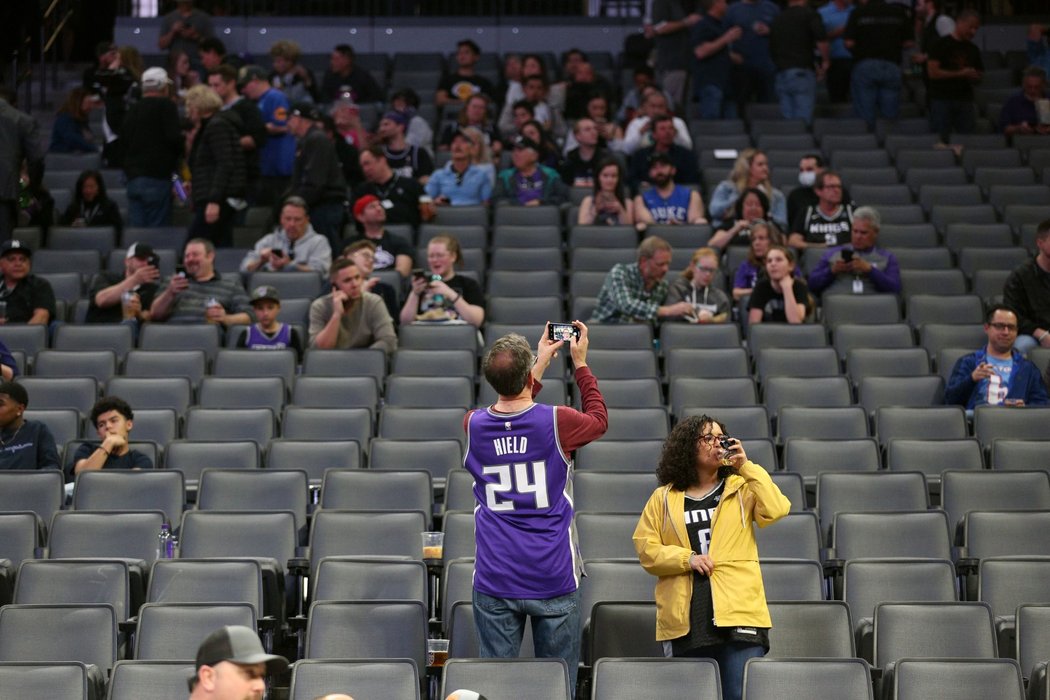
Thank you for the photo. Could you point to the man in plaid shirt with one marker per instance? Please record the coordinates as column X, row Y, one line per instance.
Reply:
column 635, row 292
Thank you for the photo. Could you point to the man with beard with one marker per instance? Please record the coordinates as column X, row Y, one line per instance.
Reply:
column 665, row 202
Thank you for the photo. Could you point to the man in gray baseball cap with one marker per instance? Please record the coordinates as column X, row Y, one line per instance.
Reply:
column 232, row 665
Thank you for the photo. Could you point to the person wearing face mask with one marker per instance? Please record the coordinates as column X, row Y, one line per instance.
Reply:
column 696, row 286
column 811, row 165
column 779, row 297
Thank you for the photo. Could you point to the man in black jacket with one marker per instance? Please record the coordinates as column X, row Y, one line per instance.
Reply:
column 318, row 174
column 223, row 80
column 154, row 144
column 19, row 142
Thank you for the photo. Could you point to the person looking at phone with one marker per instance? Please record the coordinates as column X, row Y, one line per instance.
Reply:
column 859, row 267
column 350, row 317
column 293, row 246
column 440, row 294
column 779, row 297
column 608, row 204
column 997, row 374
column 695, row 534
column 126, row 298
column 197, row 293
column 520, row 454
column 460, row 183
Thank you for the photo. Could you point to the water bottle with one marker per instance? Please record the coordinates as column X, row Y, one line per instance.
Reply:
column 439, row 299
column 165, row 543
column 180, row 189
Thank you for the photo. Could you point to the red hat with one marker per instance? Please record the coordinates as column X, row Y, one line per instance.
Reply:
column 362, row 202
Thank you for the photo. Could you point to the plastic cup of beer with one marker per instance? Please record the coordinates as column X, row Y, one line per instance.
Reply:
column 437, row 652
column 433, row 543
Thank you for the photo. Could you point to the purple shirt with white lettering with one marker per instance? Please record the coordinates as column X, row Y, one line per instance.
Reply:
column 526, row 544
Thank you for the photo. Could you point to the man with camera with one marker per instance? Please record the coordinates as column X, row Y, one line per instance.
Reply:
column 859, row 267
column 294, row 246
column 116, row 298
column 520, row 455
column 350, row 317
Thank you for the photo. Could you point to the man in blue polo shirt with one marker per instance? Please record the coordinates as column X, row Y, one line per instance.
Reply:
column 277, row 156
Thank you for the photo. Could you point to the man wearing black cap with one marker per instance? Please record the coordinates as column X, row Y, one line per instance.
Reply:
column 528, row 182
column 405, row 159
column 128, row 298
column 24, row 444
column 29, row 298
column 318, row 174
column 666, row 202
column 267, row 333
column 232, row 665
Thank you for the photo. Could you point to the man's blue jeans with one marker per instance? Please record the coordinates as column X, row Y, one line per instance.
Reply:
column 797, row 91
column 713, row 103
column 876, row 88
column 149, row 202
column 500, row 624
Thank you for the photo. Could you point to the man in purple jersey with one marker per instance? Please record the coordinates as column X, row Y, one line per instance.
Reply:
column 528, row 563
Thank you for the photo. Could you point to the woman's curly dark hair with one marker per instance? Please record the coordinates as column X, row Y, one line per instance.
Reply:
column 677, row 465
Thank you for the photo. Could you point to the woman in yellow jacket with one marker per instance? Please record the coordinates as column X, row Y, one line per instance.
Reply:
column 695, row 534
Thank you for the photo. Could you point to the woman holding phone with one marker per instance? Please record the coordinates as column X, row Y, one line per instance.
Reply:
column 695, row 534
column 441, row 295
column 608, row 204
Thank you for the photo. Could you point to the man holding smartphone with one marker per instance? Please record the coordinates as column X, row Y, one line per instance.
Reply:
column 860, row 267
column 294, row 246
column 116, row 298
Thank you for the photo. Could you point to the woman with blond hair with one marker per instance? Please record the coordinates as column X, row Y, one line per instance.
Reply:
column 217, row 169
column 751, row 170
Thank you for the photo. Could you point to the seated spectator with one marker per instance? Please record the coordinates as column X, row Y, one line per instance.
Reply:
column 475, row 113
column 997, row 374
column 113, row 419
column 128, row 297
column 666, row 202
column 751, row 170
column 398, row 195
column 231, row 662
column 363, row 253
column 1038, row 49
column 578, row 168
column 8, row 364
column 71, row 132
column 535, row 88
column 695, row 286
column 460, row 182
column 212, row 53
column 643, row 78
column 24, row 443
column 183, row 76
column 611, row 133
column 35, row 205
column 392, row 252
column 1025, row 291
column 609, row 204
column 549, row 153
column 779, row 296
column 350, row 317
column 809, row 166
column 752, row 206
column 637, row 292
column 858, row 267
column 90, row 205
column 764, row 235
column 663, row 136
column 267, row 333
column 294, row 246
column 584, row 85
column 29, row 298
column 347, row 117
column 459, row 85
column 829, row 221
column 527, row 182
column 200, row 294
column 295, row 80
column 440, row 294
column 480, row 153
column 345, row 80
column 530, row 64
column 1020, row 114
column 418, row 132
column 639, row 131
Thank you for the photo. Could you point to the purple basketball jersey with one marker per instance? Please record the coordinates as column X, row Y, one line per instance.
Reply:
column 526, row 543
column 257, row 340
